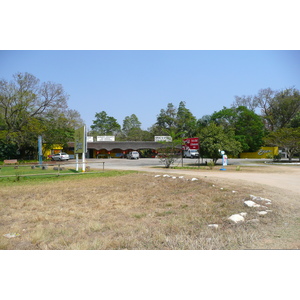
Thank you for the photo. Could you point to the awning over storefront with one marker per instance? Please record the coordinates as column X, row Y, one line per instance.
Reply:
column 109, row 146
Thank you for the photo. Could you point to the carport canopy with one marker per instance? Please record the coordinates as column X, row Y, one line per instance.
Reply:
column 109, row 146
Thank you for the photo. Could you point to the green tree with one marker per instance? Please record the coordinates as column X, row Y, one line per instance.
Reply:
column 105, row 125
column 248, row 127
column 58, row 128
column 131, row 122
column 185, row 121
column 288, row 138
column 295, row 122
column 166, row 120
column 214, row 138
column 203, row 122
column 278, row 108
column 131, row 130
column 25, row 104
column 180, row 121
column 136, row 134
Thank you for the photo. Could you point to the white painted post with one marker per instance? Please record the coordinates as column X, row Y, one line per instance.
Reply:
column 77, row 162
column 83, row 161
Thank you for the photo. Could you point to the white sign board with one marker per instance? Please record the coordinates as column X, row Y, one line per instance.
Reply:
column 89, row 139
column 105, row 138
column 162, row 139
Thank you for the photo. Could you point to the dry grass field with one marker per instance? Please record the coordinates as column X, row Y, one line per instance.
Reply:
column 138, row 211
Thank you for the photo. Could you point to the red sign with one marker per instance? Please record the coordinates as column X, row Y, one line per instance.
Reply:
column 191, row 143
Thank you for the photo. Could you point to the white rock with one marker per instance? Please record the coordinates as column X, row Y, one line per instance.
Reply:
column 194, row 179
column 250, row 203
column 262, row 213
column 243, row 214
column 181, row 177
column 255, row 198
column 213, row 226
column 157, row 176
column 234, row 191
column 174, row 177
column 236, row 218
column 166, row 176
column 11, row 235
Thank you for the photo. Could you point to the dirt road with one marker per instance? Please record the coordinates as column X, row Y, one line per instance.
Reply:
column 285, row 178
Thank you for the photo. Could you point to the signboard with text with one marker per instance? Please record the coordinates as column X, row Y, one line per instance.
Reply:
column 80, row 140
column 163, row 139
column 191, row 143
column 106, row 138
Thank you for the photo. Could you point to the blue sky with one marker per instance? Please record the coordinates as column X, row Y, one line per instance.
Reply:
column 143, row 82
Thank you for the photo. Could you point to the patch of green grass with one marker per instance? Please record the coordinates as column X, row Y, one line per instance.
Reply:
column 18, row 177
column 139, row 216
column 188, row 168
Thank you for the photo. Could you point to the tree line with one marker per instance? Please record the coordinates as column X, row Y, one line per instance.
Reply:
column 270, row 118
column 29, row 108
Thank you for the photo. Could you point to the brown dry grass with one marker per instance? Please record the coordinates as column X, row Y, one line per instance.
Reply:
column 136, row 211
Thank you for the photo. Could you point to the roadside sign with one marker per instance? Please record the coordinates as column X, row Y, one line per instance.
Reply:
column 80, row 140
column 191, row 143
column 163, row 139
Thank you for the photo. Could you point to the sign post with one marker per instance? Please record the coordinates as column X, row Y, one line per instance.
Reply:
column 40, row 150
column 80, row 145
column 224, row 160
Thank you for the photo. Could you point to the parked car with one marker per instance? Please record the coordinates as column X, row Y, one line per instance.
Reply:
column 60, row 156
column 133, row 155
column 191, row 153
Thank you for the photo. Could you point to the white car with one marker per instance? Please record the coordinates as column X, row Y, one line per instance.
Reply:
column 133, row 155
column 191, row 153
column 60, row 156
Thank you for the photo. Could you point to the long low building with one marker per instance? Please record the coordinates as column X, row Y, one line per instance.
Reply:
column 120, row 149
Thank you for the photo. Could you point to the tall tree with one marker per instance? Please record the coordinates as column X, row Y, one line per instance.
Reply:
column 166, row 120
column 277, row 108
column 180, row 121
column 284, row 107
column 185, row 121
column 131, row 122
column 251, row 102
column 25, row 104
column 247, row 126
column 105, row 125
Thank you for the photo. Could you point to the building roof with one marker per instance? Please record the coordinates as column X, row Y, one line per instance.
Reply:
column 109, row 146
